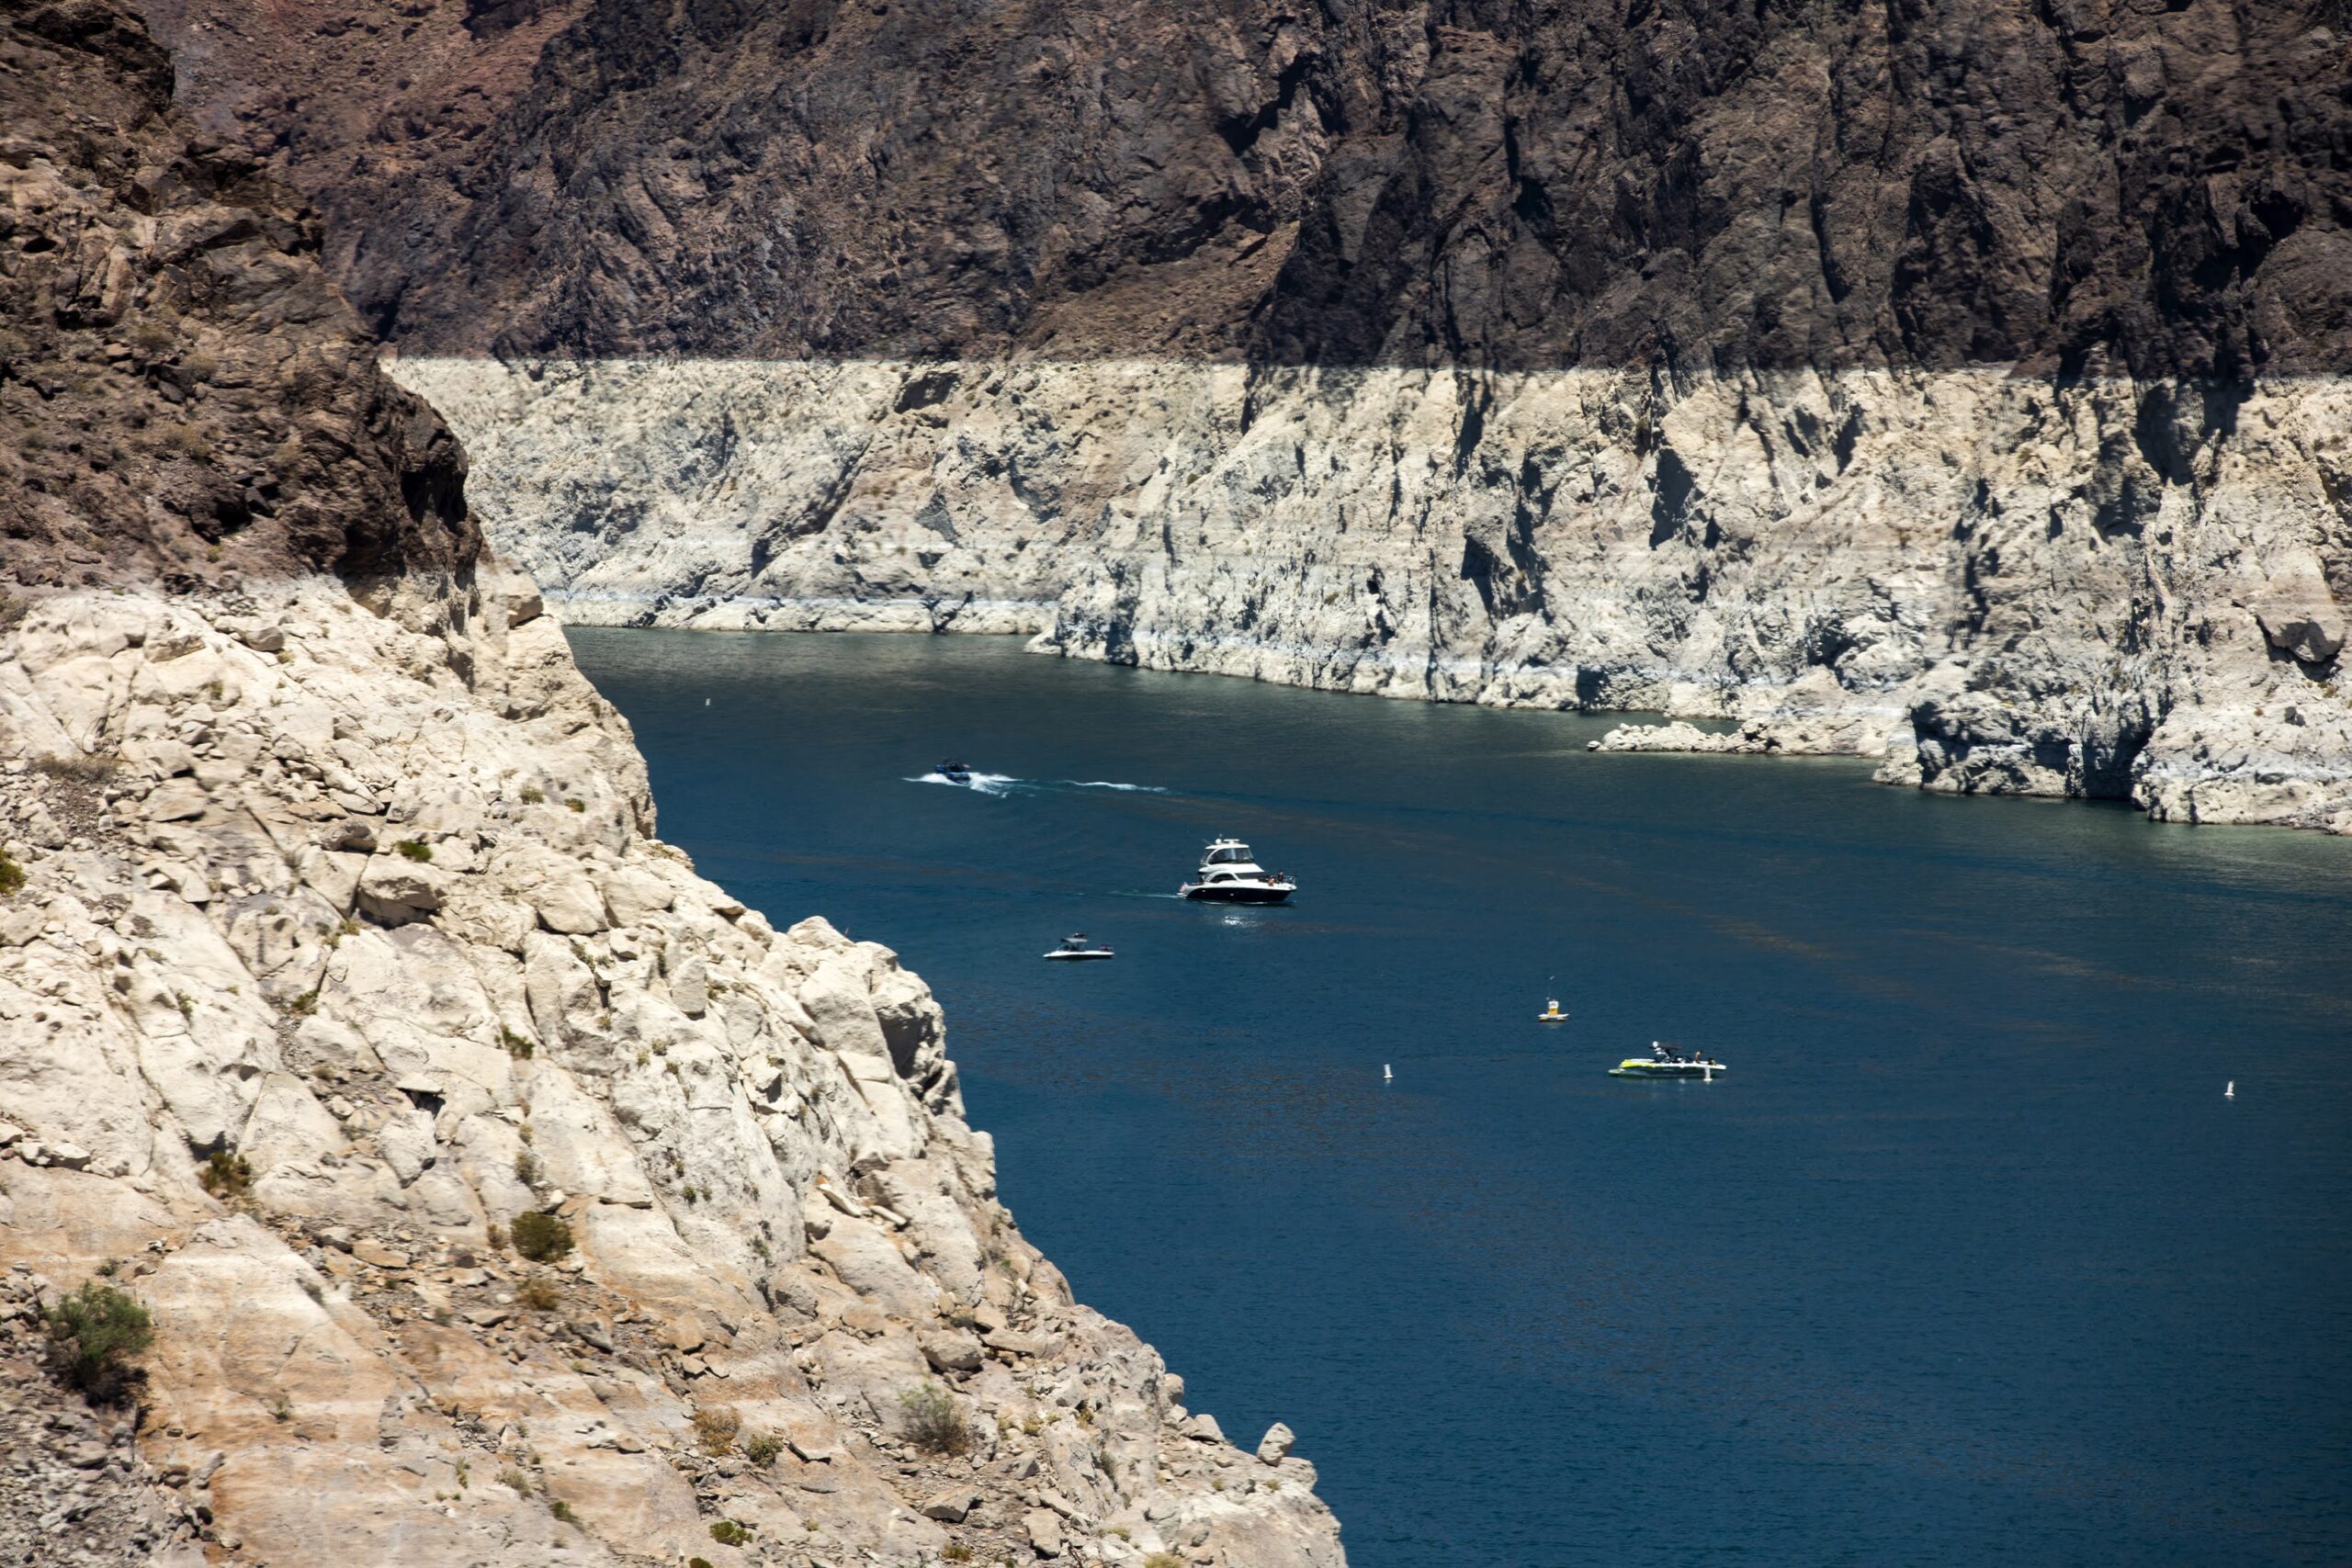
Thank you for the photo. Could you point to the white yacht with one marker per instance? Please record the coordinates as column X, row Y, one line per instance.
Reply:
column 1075, row 948
column 1229, row 874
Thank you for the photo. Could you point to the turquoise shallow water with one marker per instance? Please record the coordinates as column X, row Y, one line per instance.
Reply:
column 1966, row 1260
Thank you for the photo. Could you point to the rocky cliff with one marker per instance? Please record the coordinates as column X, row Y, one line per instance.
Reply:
column 1953, row 383
column 497, row 1186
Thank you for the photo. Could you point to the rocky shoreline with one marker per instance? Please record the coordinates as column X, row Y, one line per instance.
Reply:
column 1988, row 581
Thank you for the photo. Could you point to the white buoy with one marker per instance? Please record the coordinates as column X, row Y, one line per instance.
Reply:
column 706, row 702
column 1387, row 1074
column 2230, row 1091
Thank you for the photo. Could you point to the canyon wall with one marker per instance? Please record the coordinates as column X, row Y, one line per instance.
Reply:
column 497, row 1188
column 1953, row 383
column 1991, row 581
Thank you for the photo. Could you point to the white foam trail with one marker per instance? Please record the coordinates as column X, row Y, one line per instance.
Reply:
column 1106, row 784
column 986, row 784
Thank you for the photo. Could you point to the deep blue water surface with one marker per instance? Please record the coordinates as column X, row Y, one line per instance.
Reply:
column 1967, row 1261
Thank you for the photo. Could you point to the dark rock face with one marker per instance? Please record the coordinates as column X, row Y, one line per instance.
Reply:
column 188, row 398
column 2162, row 186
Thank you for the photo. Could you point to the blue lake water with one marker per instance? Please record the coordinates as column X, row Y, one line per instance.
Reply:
column 1966, row 1259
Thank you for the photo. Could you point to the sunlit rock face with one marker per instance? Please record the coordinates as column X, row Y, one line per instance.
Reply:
column 1993, row 581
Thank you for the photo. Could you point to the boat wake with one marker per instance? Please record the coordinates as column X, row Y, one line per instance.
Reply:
column 1000, row 784
column 986, row 784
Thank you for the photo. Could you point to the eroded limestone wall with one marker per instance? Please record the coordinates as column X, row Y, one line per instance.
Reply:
column 1992, row 581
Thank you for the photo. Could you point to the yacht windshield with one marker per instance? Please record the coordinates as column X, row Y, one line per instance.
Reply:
column 1229, row 854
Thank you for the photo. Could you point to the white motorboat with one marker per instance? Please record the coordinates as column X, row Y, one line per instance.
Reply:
column 1075, row 949
column 1229, row 874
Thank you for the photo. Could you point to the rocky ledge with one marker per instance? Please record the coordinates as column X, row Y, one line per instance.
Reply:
column 345, row 970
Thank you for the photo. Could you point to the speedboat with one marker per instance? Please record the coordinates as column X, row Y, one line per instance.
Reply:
column 954, row 773
column 1668, row 1062
column 1229, row 875
column 1075, row 947
column 1552, row 1013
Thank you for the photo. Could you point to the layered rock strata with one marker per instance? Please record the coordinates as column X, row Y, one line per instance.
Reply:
column 369, row 905
column 1992, row 581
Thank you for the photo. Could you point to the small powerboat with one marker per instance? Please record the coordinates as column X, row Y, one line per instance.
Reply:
column 954, row 773
column 1552, row 1013
column 1075, row 948
column 1229, row 875
column 1668, row 1062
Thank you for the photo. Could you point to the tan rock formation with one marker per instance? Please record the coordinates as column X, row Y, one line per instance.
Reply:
column 1994, row 582
column 365, row 896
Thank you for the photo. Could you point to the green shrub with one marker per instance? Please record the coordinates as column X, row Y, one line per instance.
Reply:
column 726, row 1532
column 92, row 1335
column 536, row 1294
column 577, row 804
column 518, row 1046
column 415, row 850
column 542, row 1239
column 697, row 1562
column 763, row 1448
column 527, row 1171
column 12, row 875
column 934, row 1424
column 561, row 1510
column 226, row 1174
column 515, row 1478
column 1163, row 1560
column 534, row 796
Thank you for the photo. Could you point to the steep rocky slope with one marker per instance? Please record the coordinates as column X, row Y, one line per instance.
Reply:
column 1701, row 183
column 1953, row 383
column 188, row 400
column 498, row 1187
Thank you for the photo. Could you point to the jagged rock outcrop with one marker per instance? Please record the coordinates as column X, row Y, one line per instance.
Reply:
column 497, row 1185
column 188, row 400
column 368, row 907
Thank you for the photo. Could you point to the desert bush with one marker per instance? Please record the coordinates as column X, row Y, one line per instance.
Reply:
column 518, row 1046
column 763, row 1448
column 726, row 1532
column 934, row 1424
column 542, row 1239
column 226, row 1174
column 716, row 1427
column 93, row 1334
column 12, row 875
column 416, row 850
column 1163, row 1560
column 77, row 767
column 538, row 1294
column 515, row 1479
column 534, row 796
column 527, row 1169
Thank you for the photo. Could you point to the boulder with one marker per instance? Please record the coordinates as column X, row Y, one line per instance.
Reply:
column 951, row 1506
column 394, row 891
column 1275, row 1446
column 1044, row 1528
